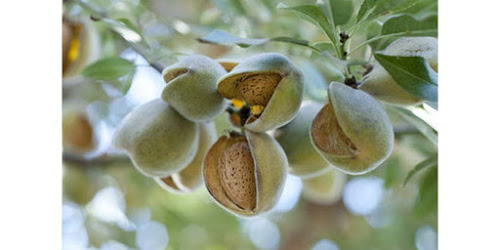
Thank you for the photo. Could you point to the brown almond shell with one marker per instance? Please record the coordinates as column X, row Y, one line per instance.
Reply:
column 269, row 172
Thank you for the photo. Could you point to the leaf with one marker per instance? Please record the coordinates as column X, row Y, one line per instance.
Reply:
column 423, row 127
column 125, row 28
column 126, row 82
column 341, row 11
column 392, row 172
column 373, row 8
column 412, row 73
column 366, row 6
column 313, row 14
column 224, row 38
column 108, row 68
column 407, row 24
column 427, row 200
column 324, row 46
column 315, row 82
column 293, row 41
column 130, row 25
column 429, row 162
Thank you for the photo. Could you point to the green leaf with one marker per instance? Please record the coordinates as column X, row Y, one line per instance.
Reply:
column 126, row 82
column 413, row 74
column 125, row 28
column 130, row 25
column 427, row 200
column 290, row 40
column 407, row 24
column 366, row 6
column 224, row 38
column 324, row 46
column 429, row 162
column 108, row 68
column 392, row 172
column 315, row 82
column 341, row 11
column 423, row 127
column 373, row 8
column 313, row 14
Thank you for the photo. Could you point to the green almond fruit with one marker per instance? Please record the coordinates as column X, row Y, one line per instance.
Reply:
column 380, row 84
column 245, row 174
column 77, row 131
column 81, row 47
column 191, row 88
column 324, row 189
column 269, row 83
column 352, row 131
column 303, row 160
column 158, row 140
column 190, row 178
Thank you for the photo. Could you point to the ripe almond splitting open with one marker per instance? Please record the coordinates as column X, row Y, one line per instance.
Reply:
column 352, row 131
column 270, row 84
column 245, row 174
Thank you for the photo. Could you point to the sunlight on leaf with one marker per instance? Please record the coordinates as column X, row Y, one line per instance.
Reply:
column 412, row 73
column 429, row 162
column 108, row 68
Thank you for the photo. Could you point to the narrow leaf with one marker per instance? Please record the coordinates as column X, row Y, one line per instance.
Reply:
column 413, row 74
column 429, row 162
column 341, row 11
column 125, row 29
column 313, row 14
column 366, row 6
column 224, row 38
column 294, row 41
column 373, row 8
column 108, row 68
column 427, row 200
column 423, row 127
column 324, row 46
column 407, row 24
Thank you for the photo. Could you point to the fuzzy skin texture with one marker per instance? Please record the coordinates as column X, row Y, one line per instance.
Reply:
column 365, row 123
column 286, row 99
column 382, row 86
column 304, row 161
column 270, row 167
column 192, row 90
column 190, row 178
column 157, row 139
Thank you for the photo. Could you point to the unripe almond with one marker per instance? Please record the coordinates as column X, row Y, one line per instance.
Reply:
column 245, row 174
column 78, row 133
column 81, row 47
column 158, row 140
column 304, row 161
column 352, row 131
column 382, row 86
column 190, row 178
column 269, row 82
column 191, row 88
column 324, row 189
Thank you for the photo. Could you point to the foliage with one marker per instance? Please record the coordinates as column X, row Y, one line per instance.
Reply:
column 337, row 40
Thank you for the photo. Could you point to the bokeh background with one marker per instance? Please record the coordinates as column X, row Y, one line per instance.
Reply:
column 108, row 204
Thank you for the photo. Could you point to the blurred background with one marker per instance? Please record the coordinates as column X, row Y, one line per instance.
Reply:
column 108, row 204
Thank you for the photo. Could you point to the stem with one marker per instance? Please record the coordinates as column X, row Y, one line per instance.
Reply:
column 103, row 160
column 101, row 14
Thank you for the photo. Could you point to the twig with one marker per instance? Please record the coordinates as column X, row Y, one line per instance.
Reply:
column 94, row 162
column 98, row 15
